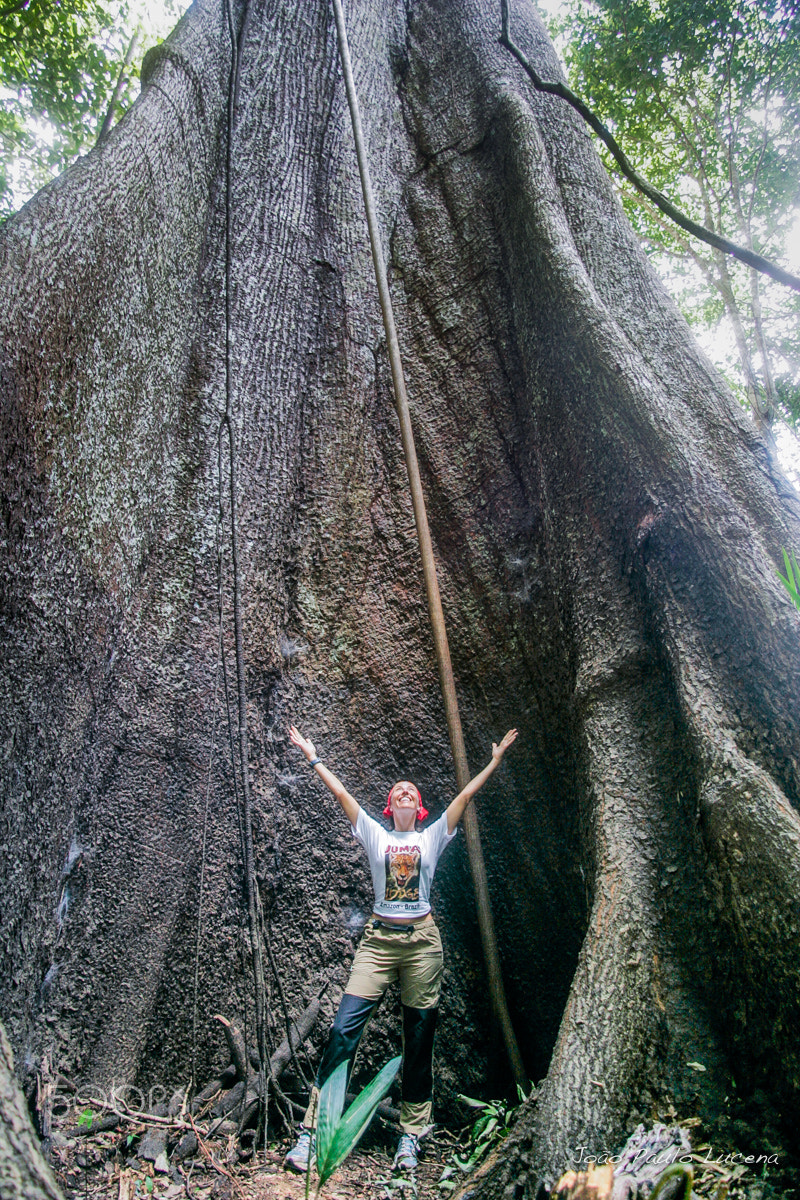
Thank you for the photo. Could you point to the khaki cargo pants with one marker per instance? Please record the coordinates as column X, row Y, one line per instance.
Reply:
column 411, row 955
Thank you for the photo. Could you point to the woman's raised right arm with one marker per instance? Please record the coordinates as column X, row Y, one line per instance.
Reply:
column 348, row 803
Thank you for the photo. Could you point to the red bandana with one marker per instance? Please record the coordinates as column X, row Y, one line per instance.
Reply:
column 422, row 811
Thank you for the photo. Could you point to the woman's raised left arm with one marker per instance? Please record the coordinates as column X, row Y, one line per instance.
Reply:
column 455, row 810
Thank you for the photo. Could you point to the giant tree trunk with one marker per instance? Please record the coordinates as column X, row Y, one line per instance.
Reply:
column 607, row 523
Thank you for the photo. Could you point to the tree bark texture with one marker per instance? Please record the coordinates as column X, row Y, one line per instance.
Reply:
column 607, row 523
column 24, row 1175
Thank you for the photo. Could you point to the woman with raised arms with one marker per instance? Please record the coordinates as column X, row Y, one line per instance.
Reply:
column 400, row 942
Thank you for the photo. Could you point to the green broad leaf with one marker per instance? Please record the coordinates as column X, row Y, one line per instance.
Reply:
column 489, row 1127
column 472, row 1103
column 796, row 573
column 793, row 592
column 331, row 1102
column 350, row 1127
column 479, row 1126
column 791, row 580
column 469, row 1164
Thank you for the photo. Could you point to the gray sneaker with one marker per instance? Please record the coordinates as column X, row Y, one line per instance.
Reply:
column 406, row 1157
column 303, row 1154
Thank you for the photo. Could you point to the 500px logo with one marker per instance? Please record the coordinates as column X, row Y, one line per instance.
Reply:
column 119, row 1098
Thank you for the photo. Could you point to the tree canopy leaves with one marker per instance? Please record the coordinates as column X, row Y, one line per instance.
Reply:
column 705, row 96
column 60, row 64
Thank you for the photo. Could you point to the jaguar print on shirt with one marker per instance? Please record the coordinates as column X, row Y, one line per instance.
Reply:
column 402, row 873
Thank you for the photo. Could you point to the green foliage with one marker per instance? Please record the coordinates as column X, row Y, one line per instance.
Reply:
column 491, row 1127
column 337, row 1134
column 59, row 65
column 699, row 87
column 791, row 580
column 86, row 1118
column 400, row 1187
column 704, row 96
column 50, row 49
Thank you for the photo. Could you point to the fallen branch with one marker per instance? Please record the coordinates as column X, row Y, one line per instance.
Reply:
column 238, row 1050
column 186, row 1147
column 229, row 1101
column 140, row 1118
column 90, row 1128
column 299, row 1031
column 237, row 1086
column 221, row 1084
column 209, row 1157
column 46, row 1085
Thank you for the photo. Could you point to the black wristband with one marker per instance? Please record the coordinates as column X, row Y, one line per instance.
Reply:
column 312, row 762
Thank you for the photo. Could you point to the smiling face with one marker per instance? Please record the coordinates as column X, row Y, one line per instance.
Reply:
column 404, row 802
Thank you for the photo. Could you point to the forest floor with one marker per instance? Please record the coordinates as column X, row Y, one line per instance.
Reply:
column 95, row 1169
column 98, row 1166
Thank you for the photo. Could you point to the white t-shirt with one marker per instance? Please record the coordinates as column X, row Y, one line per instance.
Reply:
column 402, row 864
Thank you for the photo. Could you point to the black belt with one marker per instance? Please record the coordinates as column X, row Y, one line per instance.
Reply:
column 376, row 923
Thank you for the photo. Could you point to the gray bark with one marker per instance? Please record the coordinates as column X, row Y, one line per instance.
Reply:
column 24, row 1174
column 607, row 523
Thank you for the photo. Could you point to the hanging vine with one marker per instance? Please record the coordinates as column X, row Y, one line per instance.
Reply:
column 226, row 428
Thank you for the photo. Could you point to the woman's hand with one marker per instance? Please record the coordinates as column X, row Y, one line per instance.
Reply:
column 302, row 743
column 499, row 751
column 348, row 803
column 455, row 810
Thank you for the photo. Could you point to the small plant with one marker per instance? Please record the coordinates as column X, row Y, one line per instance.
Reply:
column 791, row 580
column 337, row 1133
column 85, row 1119
column 492, row 1127
column 400, row 1187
